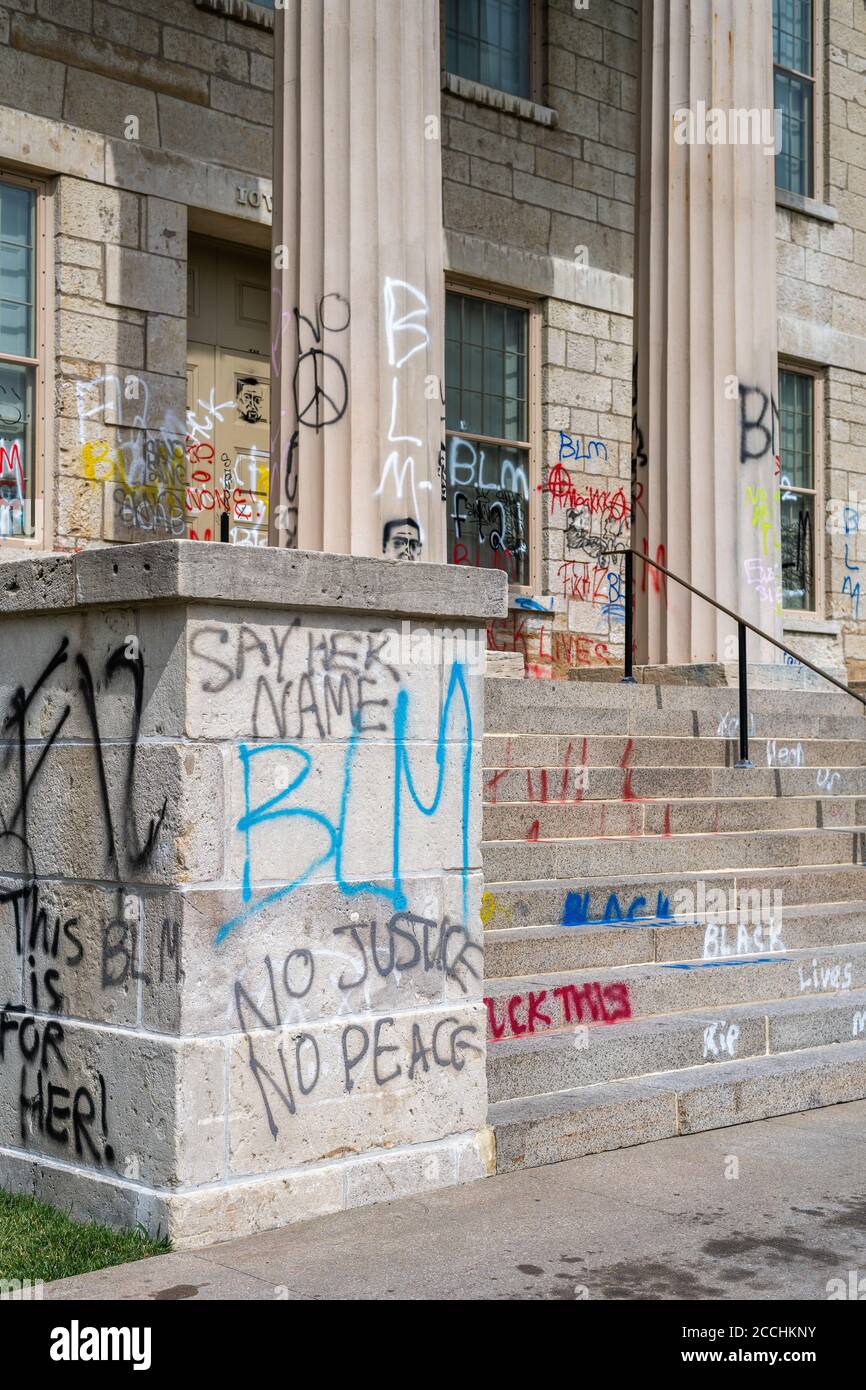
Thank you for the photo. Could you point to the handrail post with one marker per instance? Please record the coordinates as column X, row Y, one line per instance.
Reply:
column 743, row 677
column 628, row 673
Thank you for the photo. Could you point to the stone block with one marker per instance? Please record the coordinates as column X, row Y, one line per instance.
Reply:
column 354, row 1086
column 139, row 280
column 166, row 228
column 214, row 136
column 101, row 103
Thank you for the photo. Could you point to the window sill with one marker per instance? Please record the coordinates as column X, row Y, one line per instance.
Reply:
column 795, row 202
column 499, row 101
column 810, row 624
column 244, row 11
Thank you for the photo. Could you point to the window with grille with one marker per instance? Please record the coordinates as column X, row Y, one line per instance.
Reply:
column 487, row 434
column 18, row 358
column 794, row 94
column 489, row 41
column 797, row 488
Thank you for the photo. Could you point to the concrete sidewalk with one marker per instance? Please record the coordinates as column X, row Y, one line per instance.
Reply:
column 661, row 1221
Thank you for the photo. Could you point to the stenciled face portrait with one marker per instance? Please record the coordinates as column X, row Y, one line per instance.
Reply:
column 401, row 540
column 250, row 401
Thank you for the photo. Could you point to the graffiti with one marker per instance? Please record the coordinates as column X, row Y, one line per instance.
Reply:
column 824, row 978
column 570, row 448
column 488, row 521
column 406, row 334
column 542, row 1011
column 762, row 518
column 13, row 519
column 758, row 415
column 639, row 455
column 287, row 805
column 250, row 400
column 361, row 1047
column 849, row 586
column 744, row 939
column 51, row 943
column 729, row 725
column 785, row 755
column 576, row 911
column 826, row 780
column 401, row 540
column 720, row 1039
column 320, row 386
column 140, row 510
column 762, row 577
column 166, row 478
column 335, row 688
column 493, row 519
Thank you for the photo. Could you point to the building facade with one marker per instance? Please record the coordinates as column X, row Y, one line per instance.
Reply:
column 138, row 339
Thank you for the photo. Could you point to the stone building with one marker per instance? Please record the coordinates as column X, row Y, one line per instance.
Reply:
column 137, row 154
column 536, row 280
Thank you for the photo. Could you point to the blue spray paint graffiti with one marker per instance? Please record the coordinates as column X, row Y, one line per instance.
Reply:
column 710, row 964
column 852, row 524
column 275, row 809
column 575, row 913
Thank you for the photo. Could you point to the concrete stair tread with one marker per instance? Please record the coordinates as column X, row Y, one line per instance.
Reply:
column 630, row 1089
column 523, row 984
column 786, row 831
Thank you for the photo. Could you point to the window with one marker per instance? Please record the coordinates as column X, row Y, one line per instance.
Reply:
column 797, row 488
column 487, row 433
column 19, row 367
column 794, row 94
column 489, row 41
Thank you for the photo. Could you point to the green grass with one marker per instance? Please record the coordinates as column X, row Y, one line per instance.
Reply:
column 39, row 1242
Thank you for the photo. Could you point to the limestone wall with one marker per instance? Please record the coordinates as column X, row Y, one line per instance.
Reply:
column 240, row 884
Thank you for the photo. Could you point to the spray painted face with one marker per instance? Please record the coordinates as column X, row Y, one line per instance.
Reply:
column 250, row 402
column 401, row 540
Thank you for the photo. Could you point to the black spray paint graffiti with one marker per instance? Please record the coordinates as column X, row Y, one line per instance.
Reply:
column 330, row 698
column 321, row 387
column 639, row 456
column 320, row 391
column 412, row 944
column 758, row 416
column 124, row 661
column 49, row 940
column 401, row 539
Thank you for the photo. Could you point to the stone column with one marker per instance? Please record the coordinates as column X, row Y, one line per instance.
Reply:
column 358, row 309
column 705, row 420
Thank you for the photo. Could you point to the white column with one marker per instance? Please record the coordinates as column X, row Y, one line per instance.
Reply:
column 706, row 339
column 358, row 313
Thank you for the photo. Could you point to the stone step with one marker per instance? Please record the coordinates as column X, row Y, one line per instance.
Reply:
column 536, row 950
column 687, row 723
column 594, row 858
column 540, row 1129
column 524, row 706
column 570, row 782
column 632, row 897
column 586, row 1056
column 683, row 816
column 533, row 1005
column 600, row 750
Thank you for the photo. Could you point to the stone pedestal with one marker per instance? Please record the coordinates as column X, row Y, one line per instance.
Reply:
column 241, row 955
column 705, row 414
column 358, row 354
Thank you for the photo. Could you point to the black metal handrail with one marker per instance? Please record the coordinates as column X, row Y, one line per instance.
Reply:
column 743, row 625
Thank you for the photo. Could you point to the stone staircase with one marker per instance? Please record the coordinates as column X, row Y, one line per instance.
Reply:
column 672, row 943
